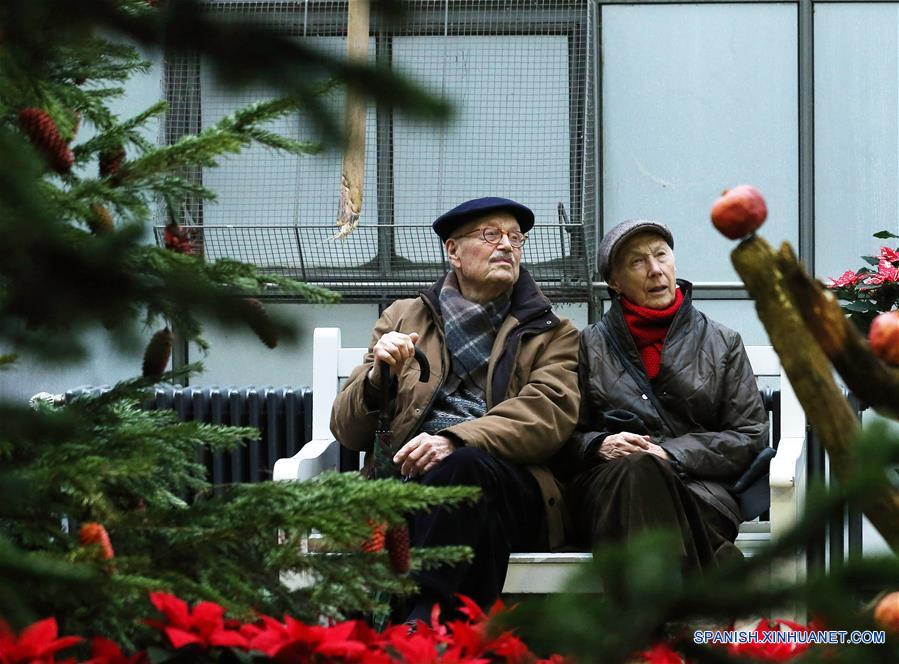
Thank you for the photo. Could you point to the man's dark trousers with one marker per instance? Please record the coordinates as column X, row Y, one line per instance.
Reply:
column 508, row 517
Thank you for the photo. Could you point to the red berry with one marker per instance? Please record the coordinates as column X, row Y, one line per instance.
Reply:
column 884, row 337
column 739, row 211
column 886, row 613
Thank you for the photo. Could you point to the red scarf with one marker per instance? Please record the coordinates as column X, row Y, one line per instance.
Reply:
column 648, row 328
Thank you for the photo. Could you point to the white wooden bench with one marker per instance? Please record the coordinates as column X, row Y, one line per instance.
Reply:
column 546, row 572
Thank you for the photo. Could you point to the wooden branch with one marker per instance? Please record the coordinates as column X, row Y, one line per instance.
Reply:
column 810, row 373
column 349, row 206
column 869, row 378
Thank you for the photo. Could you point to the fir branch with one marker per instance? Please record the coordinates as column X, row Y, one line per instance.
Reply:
column 120, row 134
column 96, row 59
column 278, row 142
column 229, row 135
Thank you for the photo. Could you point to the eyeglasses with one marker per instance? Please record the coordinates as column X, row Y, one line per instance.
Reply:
column 494, row 236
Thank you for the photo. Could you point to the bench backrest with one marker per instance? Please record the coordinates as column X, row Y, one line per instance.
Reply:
column 332, row 362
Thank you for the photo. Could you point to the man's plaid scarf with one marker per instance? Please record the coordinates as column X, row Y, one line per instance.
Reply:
column 470, row 330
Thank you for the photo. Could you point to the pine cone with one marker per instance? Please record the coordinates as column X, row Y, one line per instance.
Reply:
column 100, row 221
column 93, row 533
column 375, row 543
column 398, row 548
column 178, row 239
column 159, row 350
column 44, row 135
column 256, row 317
column 111, row 161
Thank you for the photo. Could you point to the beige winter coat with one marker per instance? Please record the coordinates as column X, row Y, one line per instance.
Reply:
column 532, row 389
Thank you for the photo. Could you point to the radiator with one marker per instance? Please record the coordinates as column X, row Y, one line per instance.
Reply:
column 283, row 416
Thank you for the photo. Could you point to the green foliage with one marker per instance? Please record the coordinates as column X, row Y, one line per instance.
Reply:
column 121, row 278
column 105, row 459
column 138, row 472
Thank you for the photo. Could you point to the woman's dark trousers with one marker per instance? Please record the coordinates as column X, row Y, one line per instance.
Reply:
column 619, row 499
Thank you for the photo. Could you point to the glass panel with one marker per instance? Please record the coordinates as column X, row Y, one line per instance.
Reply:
column 856, row 155
column 696, row 98
column 738, row 315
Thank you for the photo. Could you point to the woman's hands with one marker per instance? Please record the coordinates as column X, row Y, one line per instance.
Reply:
column 621, row 444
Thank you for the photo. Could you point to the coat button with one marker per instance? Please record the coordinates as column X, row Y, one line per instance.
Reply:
column 644, row 397
column 417, row 411
column 551, row 501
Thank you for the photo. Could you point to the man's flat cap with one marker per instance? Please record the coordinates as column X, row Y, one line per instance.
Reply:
column 618, row 235
column 460, row 215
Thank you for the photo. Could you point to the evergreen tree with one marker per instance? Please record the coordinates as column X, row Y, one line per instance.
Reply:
column 100, row 500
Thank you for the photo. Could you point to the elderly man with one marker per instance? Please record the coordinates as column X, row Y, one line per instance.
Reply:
column 670, row 412
column 501, row 400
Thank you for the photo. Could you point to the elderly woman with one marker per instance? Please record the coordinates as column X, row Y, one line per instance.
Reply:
column 670, row 411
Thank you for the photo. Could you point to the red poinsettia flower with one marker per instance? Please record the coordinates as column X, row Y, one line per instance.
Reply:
column 203, row 626
column 849, row 278
column 886, row 273
column 37, row 644
column 661, row 653
column 887, row 254
column 413, row 647
column 293, row 641
column 771, row 652
column 104, row 651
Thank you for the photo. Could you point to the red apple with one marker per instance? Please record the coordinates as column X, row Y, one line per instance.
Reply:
column 884, row 337
column 886, row 613
column 739, row 211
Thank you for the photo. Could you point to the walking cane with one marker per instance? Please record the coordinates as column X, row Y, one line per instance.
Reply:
column 383, row 466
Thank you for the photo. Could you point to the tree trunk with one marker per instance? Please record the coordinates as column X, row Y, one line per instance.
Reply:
column 808, row 368
column 872, row 381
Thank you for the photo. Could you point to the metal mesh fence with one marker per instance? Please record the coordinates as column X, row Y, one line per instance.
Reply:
column 520, row 76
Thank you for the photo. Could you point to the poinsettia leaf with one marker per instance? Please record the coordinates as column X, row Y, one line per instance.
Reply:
column 883, row 235
column 157, row 655
column 871, row 260
column 860, row 306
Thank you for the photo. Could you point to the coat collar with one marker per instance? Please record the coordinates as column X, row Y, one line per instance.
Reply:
column 614, row 319
column 527, row 300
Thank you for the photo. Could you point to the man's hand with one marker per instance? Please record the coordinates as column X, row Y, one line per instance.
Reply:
column 393, row 349
column 422, row 453
column 624, row 443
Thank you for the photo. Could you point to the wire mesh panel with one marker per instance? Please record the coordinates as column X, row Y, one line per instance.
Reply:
column 361, row 268
column 519, row 76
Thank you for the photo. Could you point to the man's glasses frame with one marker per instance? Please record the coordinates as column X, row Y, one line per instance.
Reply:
column 516, row 238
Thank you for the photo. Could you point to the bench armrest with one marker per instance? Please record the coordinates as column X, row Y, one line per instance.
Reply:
column 315, row 457
column 787, row 465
